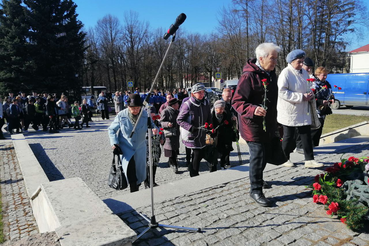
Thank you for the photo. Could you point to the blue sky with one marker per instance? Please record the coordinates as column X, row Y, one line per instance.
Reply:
column 201, row 14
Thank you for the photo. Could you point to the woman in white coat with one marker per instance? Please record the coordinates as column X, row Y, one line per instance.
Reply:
column 293, row 108
column 133, row 159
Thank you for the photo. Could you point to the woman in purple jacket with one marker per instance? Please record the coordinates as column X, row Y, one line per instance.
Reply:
column 193, row 115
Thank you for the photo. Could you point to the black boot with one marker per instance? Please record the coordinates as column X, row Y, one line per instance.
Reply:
column 133, row 187
column 154, row 172
column 147, row 180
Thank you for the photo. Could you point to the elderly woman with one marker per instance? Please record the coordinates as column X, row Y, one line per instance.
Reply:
column 102, row 105
column 193, row 115
column 118, row 102
column 255, row 101
column 133, row 161
column 222, row 122
column 171, row 132
column 323, row 96
column 293, row 108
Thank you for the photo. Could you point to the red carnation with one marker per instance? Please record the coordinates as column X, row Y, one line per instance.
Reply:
column 211, row 126
column 206, row 124
column 313, row 90
column 334, row 207
column 226, row 122
column 212, row 130
column 264, row 80
column 315, row 198
column 161, row 129
column 160, row 133
column 323, row 199
column 343, row 220
column 339, row 183
column 311, row 80
column 317, row 186
column 329, row 212
column 353, row 159
column 335, row 86
column 339, row 88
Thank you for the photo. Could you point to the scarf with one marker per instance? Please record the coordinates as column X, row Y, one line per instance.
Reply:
column 133, row 118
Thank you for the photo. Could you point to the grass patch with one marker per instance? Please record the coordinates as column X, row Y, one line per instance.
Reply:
column 335, row 122
column 2, row 238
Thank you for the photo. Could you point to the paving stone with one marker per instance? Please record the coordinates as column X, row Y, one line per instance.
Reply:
column 358, row 241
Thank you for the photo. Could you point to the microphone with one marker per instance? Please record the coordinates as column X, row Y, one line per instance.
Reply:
column 173, row 28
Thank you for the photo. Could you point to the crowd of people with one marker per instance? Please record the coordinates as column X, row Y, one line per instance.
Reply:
column 262, row 108
column 42, row 112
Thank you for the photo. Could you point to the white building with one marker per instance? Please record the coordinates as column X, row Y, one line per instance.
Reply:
column 359, row 60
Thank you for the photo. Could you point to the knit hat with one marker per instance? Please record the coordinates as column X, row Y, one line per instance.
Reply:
column 308, row 62
column 134, row 100
column 219, row 103
column 172, row 101
column 197, row 87
column 295, row 54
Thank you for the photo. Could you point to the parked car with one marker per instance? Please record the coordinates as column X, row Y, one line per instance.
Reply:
column 215, row 90
column 232, row 84
column 349, row 89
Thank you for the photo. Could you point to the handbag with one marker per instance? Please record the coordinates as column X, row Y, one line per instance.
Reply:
column 209, row 140
column 315, row 123
column 274, row 152
column 117, row 179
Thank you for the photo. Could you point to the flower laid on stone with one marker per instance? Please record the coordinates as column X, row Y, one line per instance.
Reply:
column 343, row 190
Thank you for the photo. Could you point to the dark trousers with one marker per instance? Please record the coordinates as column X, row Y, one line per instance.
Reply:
column 316, row 133
column 224, row 158
column 105, row 114
column 188, row 156
column 173, row 158
column 257, row 166
column 28, row 121
column 289, row 141
column 131, row 172
column 194, row 166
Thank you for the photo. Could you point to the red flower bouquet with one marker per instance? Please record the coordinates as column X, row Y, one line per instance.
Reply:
column 332, row 190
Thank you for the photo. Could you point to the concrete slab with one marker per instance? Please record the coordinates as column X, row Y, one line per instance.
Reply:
column 78, row 216
column 32, row 171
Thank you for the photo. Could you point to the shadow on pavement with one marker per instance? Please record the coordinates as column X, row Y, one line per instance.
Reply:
column 47, row 165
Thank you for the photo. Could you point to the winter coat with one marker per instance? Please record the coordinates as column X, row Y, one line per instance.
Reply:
column 62, row 107
column 1, row 111
column 292, row 109
column 135, row 146
column 169, row 115
column 51, row 108
column 194, row 114
column 248, row 96
column 75, row 111
column 322, row 94
column 85, row 109
column 224, row 132
column 102, row 103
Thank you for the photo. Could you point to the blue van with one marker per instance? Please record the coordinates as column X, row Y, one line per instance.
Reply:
column 349, row 89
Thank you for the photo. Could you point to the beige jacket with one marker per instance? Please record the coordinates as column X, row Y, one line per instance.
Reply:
column 292, row 110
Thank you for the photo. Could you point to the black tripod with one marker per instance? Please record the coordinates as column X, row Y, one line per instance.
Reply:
column 152, row 222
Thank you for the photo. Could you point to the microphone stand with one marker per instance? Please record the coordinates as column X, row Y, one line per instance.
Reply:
column 152, row 222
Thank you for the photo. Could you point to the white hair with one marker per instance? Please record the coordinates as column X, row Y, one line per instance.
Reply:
column 264, row 49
